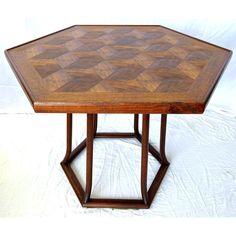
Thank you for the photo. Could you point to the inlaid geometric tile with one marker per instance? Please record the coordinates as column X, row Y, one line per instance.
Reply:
column 158, row 47
column 153, row 35
column 168, row 76
column 104, row 69
column 34, row 51
column 84, row 62
column 92, row 35
column 93, row 46
column 178, row 52
column 123, row 53
column 80, row 82
column 189, row 69
column 199, row 55
column 56, row 80
column 165, row 63
column 145, row 76
column 51, row 52
column 138, row 34
column 199, row 63
column 124, row 40
column 73, row 44
column 150, row 85
column 105, row 52
column 175, row 85
column 60, row 40
column 126, row 73
column 122, row 85
column 66, row 59
column 77, row 33
column 160, row 54
column 169, row 39
column 107, row 39
column 98, row 88
column 45, row 67
column 144, row 60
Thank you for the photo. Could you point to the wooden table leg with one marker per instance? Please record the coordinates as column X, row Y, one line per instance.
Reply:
column 89, row 154
column 163, row 139
column 144, row 157
column 136, row 131
column 95, row 124
column 68, row 138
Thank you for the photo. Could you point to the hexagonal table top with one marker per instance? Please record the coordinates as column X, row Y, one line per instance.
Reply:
column 118, row 69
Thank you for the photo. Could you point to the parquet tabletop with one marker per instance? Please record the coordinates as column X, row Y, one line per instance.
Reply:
column 118, row 69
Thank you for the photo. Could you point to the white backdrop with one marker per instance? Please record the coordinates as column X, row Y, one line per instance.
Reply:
column 200, row 180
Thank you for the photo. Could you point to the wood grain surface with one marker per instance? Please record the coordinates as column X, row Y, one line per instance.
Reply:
column 118, row 69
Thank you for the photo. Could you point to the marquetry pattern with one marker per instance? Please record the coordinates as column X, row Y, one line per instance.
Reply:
column 94, row 59
column 103, row 69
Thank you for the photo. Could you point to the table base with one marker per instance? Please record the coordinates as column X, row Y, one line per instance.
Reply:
column 147, row 195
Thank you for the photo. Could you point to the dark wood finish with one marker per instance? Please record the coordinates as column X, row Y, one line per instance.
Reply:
column 144, row 158
column 157, row 182
column 84, row 196
column 115, row 135
column 116, row 203
column 136, row 130
column 118, row 69
column 89, row 154
column 95, row 125
column 68, row 138
column 73, row 181
column 77, row 150
column 163, row 139
column 151, row 149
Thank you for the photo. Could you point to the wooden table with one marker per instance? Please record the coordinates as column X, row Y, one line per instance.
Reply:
column 118, row 69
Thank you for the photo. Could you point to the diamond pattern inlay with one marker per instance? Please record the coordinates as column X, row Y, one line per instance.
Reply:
column 122, row 59
column 93, row 65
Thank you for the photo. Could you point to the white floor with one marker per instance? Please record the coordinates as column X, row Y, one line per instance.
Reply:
column 201, row 180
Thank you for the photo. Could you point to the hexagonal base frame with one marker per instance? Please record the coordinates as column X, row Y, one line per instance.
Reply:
column 84, row 195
